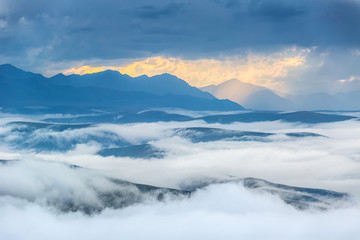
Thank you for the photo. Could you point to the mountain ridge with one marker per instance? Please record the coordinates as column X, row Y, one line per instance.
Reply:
column 260, row 98
column 249, row 95
column 20, row 89
column 158, row 84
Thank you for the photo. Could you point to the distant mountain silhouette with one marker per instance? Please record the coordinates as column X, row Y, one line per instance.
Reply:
column 260, row 116
column 108, row 90
column 350, row 99
column 249, row 95
column 268, row 100
column 145, row 151
column 260, row 98
column 11, row 72
column 319, row 101
column 160, row 116
column 159, row 84
column 60, row 137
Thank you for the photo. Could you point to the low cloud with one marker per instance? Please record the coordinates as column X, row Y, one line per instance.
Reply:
column 221, row 210
column 229, row 210
column 329, row 162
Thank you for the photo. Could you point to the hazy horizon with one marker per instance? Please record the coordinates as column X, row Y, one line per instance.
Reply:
column 219, row 119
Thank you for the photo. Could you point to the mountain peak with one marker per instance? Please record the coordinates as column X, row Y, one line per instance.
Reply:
column 167, row 75
column 233, row 89
column 59, row 75
column 237, row 82
column 249, row 95
column 9, row 67
column 107, row 90
column 10, row 71
column 106, row 72
column 233, row 80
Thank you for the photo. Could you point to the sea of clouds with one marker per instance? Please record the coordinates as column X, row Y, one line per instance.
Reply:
column 226, row 211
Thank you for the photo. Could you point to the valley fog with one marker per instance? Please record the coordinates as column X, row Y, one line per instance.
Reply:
column 45, row 166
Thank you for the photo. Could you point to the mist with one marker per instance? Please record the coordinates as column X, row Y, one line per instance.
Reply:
column 37, row 184
column 218, row 211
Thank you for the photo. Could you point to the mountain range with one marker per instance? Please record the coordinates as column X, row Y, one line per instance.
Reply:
column 112, row 91
column 256, row 97
column 104, row 91
column 249, row 95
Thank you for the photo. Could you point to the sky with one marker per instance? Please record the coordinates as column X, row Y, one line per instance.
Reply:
column 286, row 45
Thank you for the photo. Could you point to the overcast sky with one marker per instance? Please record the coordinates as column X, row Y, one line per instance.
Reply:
column 49, row 36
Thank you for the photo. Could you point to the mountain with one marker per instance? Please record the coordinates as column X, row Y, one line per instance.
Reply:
column 249, row 95
column 260, row 98
column 144, row 151
column 8, row 70
column 318, row 101
column 120, row 193
column 106, row 91
column 262, row 116
column 59, row 137
column 268, row 100
column 298, row 197
column 233, row 89
column 159, row 84
column 350, row 99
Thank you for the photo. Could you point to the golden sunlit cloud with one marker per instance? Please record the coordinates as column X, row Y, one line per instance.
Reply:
column 86, row 69
column 257, row 69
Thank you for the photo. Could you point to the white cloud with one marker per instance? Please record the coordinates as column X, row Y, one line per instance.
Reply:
column 331, row 162
column 218, row 211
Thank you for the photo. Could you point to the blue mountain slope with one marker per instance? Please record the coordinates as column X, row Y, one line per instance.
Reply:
column 44, row 137
column 160, row 116
column 203, row 134
column 159, row 84
column 301, row 116
column 19, row 89
column 144, row 151
column 7, row 70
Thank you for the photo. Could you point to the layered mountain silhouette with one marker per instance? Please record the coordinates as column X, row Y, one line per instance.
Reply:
column 107, row 91
column 325, row 101
column 249, row 95
column 112, row 91
column 260, row 98
column 160, row 84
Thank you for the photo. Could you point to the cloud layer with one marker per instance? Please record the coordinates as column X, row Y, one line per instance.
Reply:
column 228, row 210
column 218, row 211
column 318, row 162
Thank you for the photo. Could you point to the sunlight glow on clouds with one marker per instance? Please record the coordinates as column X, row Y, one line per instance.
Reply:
column 87, row 69
column 253, row 68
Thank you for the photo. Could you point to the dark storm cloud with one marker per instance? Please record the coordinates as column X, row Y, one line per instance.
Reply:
column 79, row 30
